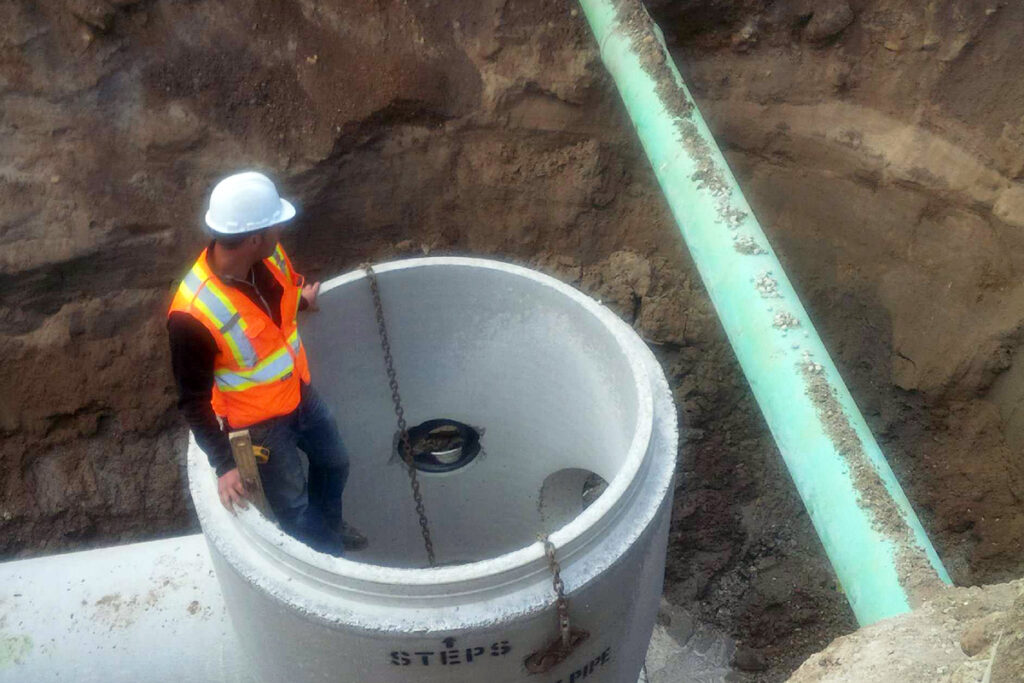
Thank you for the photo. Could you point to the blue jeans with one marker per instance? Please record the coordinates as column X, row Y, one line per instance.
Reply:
column 306, row 510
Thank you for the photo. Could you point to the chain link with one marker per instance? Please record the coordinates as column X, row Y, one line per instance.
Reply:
column 406, row 446
column 568, row 637
column 562, row 603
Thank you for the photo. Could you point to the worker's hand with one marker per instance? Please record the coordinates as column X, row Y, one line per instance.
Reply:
column 232, row 490
column 309, row 293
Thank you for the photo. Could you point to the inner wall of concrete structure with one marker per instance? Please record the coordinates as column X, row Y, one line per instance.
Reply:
column 533, row 369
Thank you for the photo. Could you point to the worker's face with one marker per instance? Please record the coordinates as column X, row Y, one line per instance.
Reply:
column 270, row 237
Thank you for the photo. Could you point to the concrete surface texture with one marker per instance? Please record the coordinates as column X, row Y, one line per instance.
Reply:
column 124, row 599
column 141, row 612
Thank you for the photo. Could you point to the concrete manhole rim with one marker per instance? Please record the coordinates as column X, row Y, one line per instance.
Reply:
column 271, row 545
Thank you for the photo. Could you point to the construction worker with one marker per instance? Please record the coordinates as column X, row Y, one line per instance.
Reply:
column 239, row 363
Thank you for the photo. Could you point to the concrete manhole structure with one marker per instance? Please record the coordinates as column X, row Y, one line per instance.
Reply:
column 563, row 390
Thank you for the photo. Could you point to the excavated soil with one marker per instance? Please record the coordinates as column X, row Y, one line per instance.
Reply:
column 966, row 635
column 880, row 142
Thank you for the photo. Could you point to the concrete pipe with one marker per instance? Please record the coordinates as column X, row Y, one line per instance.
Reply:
column 562, row 395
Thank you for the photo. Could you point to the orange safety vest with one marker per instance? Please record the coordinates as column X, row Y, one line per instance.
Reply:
column 259, row 366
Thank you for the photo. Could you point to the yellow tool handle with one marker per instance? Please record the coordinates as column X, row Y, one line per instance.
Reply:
column 261, row 454
column 246, row 460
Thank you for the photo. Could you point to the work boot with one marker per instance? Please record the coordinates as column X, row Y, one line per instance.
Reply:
column 331, row 546
column 323, row 540
column 351, row 537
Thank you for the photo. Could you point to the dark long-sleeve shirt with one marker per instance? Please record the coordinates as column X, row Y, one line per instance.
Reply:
column 193, row 351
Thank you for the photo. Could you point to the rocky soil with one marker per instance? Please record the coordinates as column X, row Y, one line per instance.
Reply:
column 966, row 636
column 881, row 143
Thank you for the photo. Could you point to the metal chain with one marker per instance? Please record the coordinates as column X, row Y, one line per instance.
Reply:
column 406, row 446
column 568, row 638
column 562, row 603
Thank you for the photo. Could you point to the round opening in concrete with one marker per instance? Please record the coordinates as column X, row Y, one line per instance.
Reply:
column 440, row 446
column 547, row 370
column 565, row 494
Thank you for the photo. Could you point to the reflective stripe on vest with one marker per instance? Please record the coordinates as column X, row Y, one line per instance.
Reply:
column 219, row 310
column 282, row 264
column 295, row 340
column 278, row 258
column 273, row 368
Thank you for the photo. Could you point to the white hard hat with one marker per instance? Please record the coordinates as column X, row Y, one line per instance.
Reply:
column 246, row 202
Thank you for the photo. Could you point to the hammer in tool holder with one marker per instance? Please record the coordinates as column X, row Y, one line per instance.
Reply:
column 246, row 458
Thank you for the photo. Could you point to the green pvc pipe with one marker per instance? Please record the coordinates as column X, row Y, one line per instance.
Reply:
column 876, row 544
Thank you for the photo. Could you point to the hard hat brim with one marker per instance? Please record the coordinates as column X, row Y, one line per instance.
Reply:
column 285, row 213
